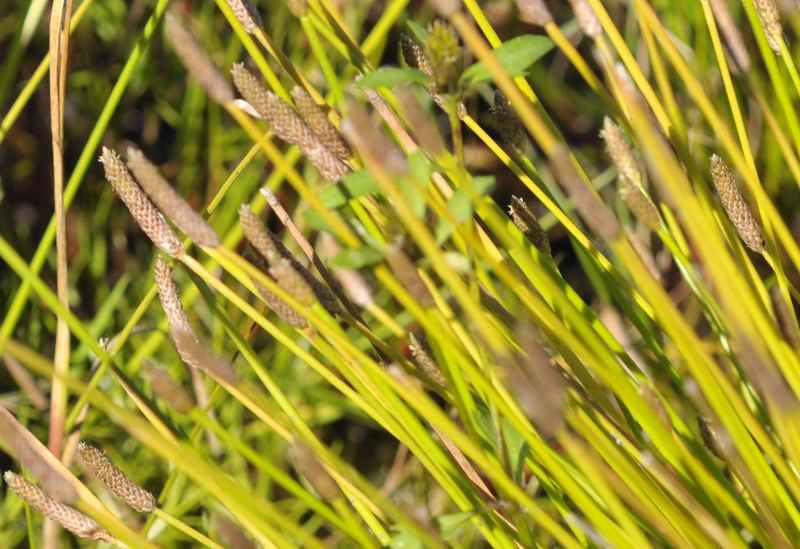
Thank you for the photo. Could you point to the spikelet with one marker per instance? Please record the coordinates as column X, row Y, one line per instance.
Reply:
column 170, row 202
column 319, row 123
column 587, row 18
column 121, row 484
column 446, row 57
column 735, row 206
column 266, row 243
column 309, row 466
column 423, row 356
column 246, row 13
column 170, row 298
column 172, row 392
column 287, row 124
column 446, row 8
column 710, row 436
column 284, row 311
column 231, row 536
column 364, row 132
column 406, row 272
column 592, row 211
column 638, row 203
column 192, row 56
column 733, row 37
column 620, row 151
column 536, row 11
column 71, row 519
column 142, row 210
column 527, row 223
column 299, row 8
column 508, row 124
column 202, row 358
column 416, row 59
column 771, row 21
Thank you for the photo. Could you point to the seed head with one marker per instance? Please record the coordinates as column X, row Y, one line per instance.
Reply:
column 246, row 13
column 170, row 298
column 199, row 356
column 406, row 272
column 771, row 21
column 172, row 392
column 735, row 206
column 639, row 205
column 284, row 311
column 423, row 356
column 121, row 484
column 620, row 151
column 733, row 37
column 446, row 57
column 527, row 223
column 536, row 11
column 309, row 466
column 195, row 60
column 170, row 202
column 508, row 124
column 416, row 59
column 710, row 435
column 316, row 119
column 299, row 8
column 142, row 210
column 587, row 18
column 71, row 519
column 292, row 282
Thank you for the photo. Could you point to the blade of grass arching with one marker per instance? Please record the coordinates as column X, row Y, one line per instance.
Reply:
column 20, row 298
column 18, row 47
column 36, row 79
column 59, row 53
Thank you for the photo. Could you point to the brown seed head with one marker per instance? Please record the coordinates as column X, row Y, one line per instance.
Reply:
column 527, row 223
column 246, row 13
column 423, row 356
column 620, row 151
column 170, row 297
column 292, row 282
column 587, row 18
column 142, row 210
column 309, row 466
column 730, row 30
column 416, row 59
column 204, row 359
column 508, row 124
column 319, row 123
column 121, row 484
column 71, row 519
column 170, row 202
column 536, row 11
column 194, row 59
column 710, row 435
column 299, row 8
column 639, row 204
column 172, row 392
column 406, row 272
column 771, row 21
column 735, row 206
column 284, row 311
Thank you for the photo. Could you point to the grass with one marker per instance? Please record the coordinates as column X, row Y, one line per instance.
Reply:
column 443, row 380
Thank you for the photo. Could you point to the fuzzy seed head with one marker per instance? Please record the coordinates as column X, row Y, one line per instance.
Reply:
column 446, row 56
column 416, row 59
column 198, row 356
column 292, row 282
column 246, row 13
column 319, row 123
column 508, row 124
column 710, row 435
column 620, row 151
column 730, row 30
column 527, row 223
column 423, row 356
column 299, row 8
column 195, row 60
column 735, row 206
column 309, row 466
column 536, row 11
column 170, row 298
column 71, row 519
column 172, row 392
column 121, row 484
column 639, row 205
column 264, row 241
column 406, row 272
column 142, row 210
column 170, row 202
column 771, row 21
column 587, row 18
column 281, row 308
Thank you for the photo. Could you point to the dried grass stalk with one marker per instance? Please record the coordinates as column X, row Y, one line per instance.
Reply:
column 406, row 272
column 71, row 519
column 192, row 56
column 735, row 206
column 319, row 123
column 246, row 13
column 423, row 356
column 536, row 11
column 508, row 124
column 309, row 466
column 121, row 484
column 287, row 124
column 527, row 223
column 587, row 18
column 170, row 202
column 142, row 210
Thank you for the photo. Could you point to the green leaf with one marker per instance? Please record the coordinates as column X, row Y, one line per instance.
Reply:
column 517, row 447
column 392, row 77
column 356, row 184
column 405, row 539
column 356, row 258
column 448, row 524
column 419, row 31
column 461, row 206
column 316, row 221
column 516, row 56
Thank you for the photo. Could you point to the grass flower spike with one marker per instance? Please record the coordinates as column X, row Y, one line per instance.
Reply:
column 121, row 484
column 246, row 13
column 319, row 123
column 527, row 223
column 771, row 21
column 508, row 124
column 735, row 206
column 536, row 11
